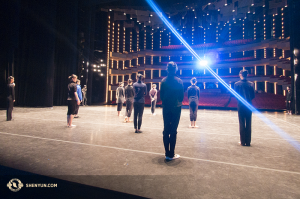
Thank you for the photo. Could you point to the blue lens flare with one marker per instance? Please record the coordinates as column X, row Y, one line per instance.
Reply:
column 283, row 134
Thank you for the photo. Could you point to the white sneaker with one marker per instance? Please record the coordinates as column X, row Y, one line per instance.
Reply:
column 154, row 114
column 72, row 126
column 176, row 156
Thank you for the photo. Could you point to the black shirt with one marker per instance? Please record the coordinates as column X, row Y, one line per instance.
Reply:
column 246, row 90
column 11, row 91
column 193, row 93
column 72, row 88
column 140, row 90
column 171, row 92
column 129, row 93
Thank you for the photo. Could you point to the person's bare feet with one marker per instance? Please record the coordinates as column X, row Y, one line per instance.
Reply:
column 196, row 126
column 191, row 126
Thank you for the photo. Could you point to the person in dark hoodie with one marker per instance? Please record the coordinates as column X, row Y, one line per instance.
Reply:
column 246, row 90
column 129, row 94
column 140, row 90
column 171, row 94
column 193, row 95
column 10, row 97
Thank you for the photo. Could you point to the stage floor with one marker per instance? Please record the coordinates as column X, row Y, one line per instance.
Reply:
column 102, row 151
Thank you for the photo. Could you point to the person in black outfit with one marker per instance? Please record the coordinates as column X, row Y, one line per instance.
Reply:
column 246, row 90
column 288, row 100
column 153, row 97
column 140, row 90
column 129, row 94
column 10, row 97
column 120, row 98
column 171, row 94
column 193, row 95
column 72, row 99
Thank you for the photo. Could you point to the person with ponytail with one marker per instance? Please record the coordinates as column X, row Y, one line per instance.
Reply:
column 193, row 95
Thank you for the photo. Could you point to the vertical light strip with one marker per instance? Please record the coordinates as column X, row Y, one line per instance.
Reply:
column 275, row 72
column 266, row 86
column 145, row 39
column 229, row 32
column 107, row 63
column 265, row 37
column 124, row 39
column 275, row 88
column 169, row 38
column 113, row 38
column 130, row 47
column 254, row 30
column 265, row 70
column 255, row 70
column 273, row 26
column 265, row 53
column 217, row 34
column 255, row 85
column 118, row 38
column 282, row 23
column 138, row 41
column 243, row 28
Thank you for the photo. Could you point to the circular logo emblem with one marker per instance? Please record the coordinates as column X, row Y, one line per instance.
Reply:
column 15, row 185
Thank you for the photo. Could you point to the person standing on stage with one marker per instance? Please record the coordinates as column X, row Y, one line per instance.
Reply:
column 288, row 100
column 84, row 99
column 10, row 97
column 140, row 90
column 120, row 97
column 129, row 94
column 153, row 97
column 79, row 93
column 73, row 100
column 246, row 90
column 193, row 95
column 171, row 94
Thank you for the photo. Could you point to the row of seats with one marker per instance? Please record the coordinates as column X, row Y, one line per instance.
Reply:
column 261, row 100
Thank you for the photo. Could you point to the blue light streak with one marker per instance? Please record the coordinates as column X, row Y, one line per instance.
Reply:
column 283, row 134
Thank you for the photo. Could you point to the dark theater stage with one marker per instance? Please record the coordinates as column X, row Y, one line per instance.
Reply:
column 103, row 152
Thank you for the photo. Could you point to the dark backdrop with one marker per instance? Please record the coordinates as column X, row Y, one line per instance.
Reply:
column 39, row 48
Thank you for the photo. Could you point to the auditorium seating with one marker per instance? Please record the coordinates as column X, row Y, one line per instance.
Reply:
column 261, row 100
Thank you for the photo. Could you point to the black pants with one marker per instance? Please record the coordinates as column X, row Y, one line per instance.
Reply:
column 119, row 107
column 153, row 105
column 138, row 114
column 10, row 107
column 76, row 109
column 171, row 121
column 129, row 105
column 193, row 110
column 245, row 125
